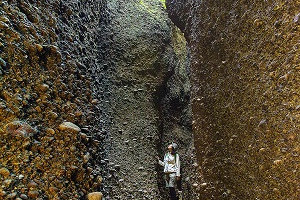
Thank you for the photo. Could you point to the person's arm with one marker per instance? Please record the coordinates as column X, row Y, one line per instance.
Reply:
column 162, row 163
column 178, row 165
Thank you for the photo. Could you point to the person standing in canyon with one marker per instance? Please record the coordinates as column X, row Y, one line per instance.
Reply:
column 171, row 166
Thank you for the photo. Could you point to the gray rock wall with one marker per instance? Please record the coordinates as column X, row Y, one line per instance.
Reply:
column 150, row 98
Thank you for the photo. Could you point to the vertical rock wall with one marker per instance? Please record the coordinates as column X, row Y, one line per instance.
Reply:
column 245, row 95
column 50, row 53
column 150, row 85
column 90, row 93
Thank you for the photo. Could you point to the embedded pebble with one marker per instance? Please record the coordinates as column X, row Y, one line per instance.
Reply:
column 95, row 196
column 11, row 195
column 69, row 126
column 2, row 63
column 4, row 172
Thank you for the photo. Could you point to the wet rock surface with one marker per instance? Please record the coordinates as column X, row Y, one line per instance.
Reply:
column 245, row 88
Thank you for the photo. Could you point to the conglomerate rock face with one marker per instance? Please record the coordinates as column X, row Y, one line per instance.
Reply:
column 245, row 95
column 50, row 124
column 90, row 93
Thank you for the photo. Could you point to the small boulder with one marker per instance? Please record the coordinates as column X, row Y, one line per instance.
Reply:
column 69, row 126
column 11, row 195
column 2, row 63
column 95, row 196
column 43, row 87
column 4, row 172
column 32, row 184
column 33, row 194
column 20, row 128
column 23, row 196
column 39, row 47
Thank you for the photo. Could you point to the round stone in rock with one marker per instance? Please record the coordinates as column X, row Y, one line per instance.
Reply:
column 94, row 101
column 69, row 126
column 32, row 184
column 50, row 131
column 11, row 195
column 33, row 194
column 2, row 193
column 86, row 158
column 7, row 182
column 43, row 87
column 53, row 190
column 23, row 196
column 95, row 196
column 20, row 128
column 195, row 185
column 4, row 172
column 99, row 179
column 39, row 47
column 2, row 63
column 203, row 184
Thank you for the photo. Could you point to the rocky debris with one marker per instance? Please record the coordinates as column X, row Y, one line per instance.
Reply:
column 244, row 77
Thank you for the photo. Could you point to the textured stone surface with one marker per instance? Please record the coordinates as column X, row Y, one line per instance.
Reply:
column 43, row 82
column 245, row 95
column 69, row 126
column 149, row 101
column 95, row 196
column 116, row 69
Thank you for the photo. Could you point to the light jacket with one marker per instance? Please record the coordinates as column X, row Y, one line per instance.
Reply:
column 170, row 164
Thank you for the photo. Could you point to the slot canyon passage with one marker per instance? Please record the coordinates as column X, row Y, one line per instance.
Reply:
column 92, row 91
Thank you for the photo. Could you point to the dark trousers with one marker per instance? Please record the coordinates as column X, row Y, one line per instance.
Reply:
column 172, row 193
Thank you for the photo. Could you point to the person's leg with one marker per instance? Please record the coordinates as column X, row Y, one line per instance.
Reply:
column 179, row 184
column 172, row 184
column 167, row 178
column 172, row 193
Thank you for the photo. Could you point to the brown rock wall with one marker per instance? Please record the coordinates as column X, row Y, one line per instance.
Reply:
column 41, row 86
column 245, row 95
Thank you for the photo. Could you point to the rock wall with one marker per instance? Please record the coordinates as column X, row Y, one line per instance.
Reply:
column 150, row 99
column 46, row 50
column 90, row 93
column 245, row 95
